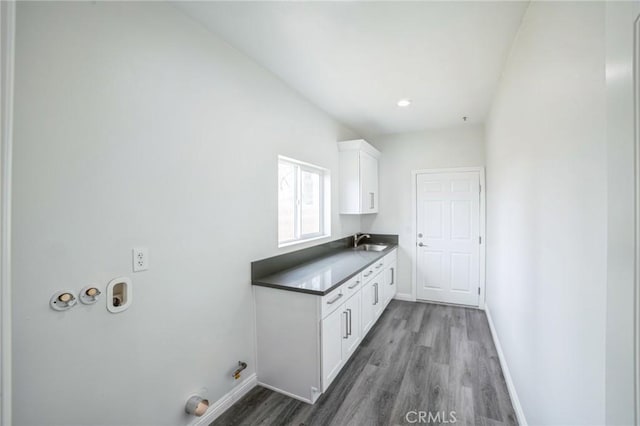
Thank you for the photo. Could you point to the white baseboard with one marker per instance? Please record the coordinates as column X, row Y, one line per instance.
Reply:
column 221, row 405
column 515, row 401
column 289, row 394
column 407, row 297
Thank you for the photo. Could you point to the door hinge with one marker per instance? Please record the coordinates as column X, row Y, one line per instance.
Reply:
column 479, row 240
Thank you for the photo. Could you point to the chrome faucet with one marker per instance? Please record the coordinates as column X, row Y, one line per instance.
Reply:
column 357, row 239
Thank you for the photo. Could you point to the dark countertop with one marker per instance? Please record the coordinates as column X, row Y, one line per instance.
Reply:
column 324, row 274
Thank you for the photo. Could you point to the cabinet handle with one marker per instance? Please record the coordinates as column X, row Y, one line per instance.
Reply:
column 331, row 302
column 393, row 276
column 366, row 275
column 349, row 328
column 346, row 325
column 376, row 286
column 379, row 265
column 372, row 195
column 354, row 285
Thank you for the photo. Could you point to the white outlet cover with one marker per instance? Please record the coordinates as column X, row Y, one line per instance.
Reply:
column 140, row 258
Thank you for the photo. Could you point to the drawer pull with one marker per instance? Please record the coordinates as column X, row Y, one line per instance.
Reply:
column 366, row 275
column 331, row 302
column 379, row 265
column 354, row 285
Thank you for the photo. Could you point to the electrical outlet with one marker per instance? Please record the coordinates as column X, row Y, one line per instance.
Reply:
column 140, row 259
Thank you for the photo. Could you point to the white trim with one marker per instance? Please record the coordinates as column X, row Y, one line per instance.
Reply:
column 406, row 297
column 515, row 401
column 454, row 305
column 223, row 404
column 283, row 392
column 296, row 242
column 324, row 176
column 7, row 36
column 636, row 171
column 482, row 230
column 359, row 145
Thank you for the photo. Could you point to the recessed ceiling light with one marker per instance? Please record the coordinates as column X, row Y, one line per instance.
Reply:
column 404, row 102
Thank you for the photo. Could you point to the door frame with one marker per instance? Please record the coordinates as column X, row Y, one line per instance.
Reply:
column 414, row 226
column 7, row 37
column 636, row 172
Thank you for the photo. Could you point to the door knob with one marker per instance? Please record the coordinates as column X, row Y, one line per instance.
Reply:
column 420, row 244
column 420, row 235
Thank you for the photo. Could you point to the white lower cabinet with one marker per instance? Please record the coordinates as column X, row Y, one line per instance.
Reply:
column 333, row 330
column 390, row 282
column 378, row 299
column 341, row 335
column 368, row 302
column 353, row 335
column 304, row 340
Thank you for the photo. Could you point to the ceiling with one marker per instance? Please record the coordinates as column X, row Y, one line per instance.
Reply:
column 355, row 60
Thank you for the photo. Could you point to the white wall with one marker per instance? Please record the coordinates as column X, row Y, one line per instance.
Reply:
column 620, row 18
column 136, row 127
column 547, row 206
column 461, row 146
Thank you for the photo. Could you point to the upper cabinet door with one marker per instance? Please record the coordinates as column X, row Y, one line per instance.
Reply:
column 358, row 177
column 369, row 183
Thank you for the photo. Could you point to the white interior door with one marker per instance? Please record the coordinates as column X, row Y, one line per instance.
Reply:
column 448, row 237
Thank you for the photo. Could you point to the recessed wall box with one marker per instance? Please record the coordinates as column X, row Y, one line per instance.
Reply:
column 119, row 295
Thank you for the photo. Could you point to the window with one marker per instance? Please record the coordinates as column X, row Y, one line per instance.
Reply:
column 303, row 202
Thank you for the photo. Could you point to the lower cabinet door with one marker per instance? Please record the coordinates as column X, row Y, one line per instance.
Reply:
column 390, row 285
column 334, row 331
column 354, row 332
column 367, row 304
column 378, row 291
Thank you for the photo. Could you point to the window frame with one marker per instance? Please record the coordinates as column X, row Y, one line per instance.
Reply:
column 324, row 201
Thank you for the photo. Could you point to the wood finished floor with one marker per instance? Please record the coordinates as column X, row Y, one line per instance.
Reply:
column 418, row 356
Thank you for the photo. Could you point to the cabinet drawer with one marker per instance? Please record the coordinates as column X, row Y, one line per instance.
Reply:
column 332, row 301
column 352, row 286
column 368, row 273
column 378, row 266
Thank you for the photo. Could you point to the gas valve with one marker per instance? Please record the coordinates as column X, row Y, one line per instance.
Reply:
column 241, row 366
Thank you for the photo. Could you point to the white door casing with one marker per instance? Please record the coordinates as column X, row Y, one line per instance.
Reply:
column 7, row 40
column 636, row 106
column 448, row 261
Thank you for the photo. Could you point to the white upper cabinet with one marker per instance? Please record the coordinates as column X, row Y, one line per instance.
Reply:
column 358, row 177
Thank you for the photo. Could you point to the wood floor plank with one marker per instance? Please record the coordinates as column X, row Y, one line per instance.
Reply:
column 325, row 408
column 418, row 356
column 440, row 329
column 354, row 408
column 500, row 384
column 415, row 319
column 485, row 395
column 411, row 395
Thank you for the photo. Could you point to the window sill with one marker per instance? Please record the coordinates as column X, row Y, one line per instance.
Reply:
column 306, row 240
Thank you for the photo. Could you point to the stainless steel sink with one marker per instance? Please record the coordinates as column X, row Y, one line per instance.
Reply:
column 372, row 247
